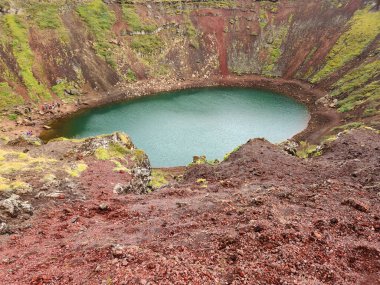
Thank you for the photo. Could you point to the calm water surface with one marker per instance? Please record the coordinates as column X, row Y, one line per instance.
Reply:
column 173, row 127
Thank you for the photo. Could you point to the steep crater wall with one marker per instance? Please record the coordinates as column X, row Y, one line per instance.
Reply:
column 81, row 51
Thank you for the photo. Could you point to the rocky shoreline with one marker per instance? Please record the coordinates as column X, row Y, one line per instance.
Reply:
column 323, row 116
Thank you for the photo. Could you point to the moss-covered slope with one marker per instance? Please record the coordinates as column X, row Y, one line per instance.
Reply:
column 60, row 50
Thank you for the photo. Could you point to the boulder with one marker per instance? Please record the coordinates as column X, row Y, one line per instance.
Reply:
column 14, row 206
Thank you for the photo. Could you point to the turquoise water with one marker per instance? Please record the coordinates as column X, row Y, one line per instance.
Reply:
column 173, row 127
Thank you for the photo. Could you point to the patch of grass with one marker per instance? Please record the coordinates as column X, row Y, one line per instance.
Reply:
column 59, row 89
column 7, row 97
column 120, row 167
column 147, row 45
column 202, row 182
column 263, row 18
column 274, row 49
column 307, row 150
column 134, row 21
column 115, row 150
column 18, row 162
column 370, row 93
column 24, row 57
column 99, row 20
column 76, row 170
column 363, row 29
column 349, row 126
column 139, row 156
column 357, row 78
column 46, row 16
column 130, row 76
column 371, row 111
column 12, row 117
column 191, row 31
column 158, row 179
column 203, row 160
column 227, row 155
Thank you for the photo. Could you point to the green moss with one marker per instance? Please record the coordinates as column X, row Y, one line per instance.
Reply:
column 191, row 31
column 7, row 97
column 147, row 45
column 227, row 155
column 203, row 160
column 59, row 90
column 357, row 78
column 139, row 156
column 24, row 57
column 369, row 94
column 18, row 162
column 130, row 76
column 12, row 117
column 307, row 150
column 263, row 18
column 120, row 167
column 62, row 139
column 349, row 126
column 158, row 179
column 47, row 16
column 274, row 49
column 134, row 21
column 99, row 20
column 20, row 186
column 371, row 111
column 48, row 178
column 115, row 150
column 202, row 182
column 76, row 169
column 363, row 29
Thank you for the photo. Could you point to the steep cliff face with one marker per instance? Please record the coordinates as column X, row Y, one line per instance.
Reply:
column 68, row 49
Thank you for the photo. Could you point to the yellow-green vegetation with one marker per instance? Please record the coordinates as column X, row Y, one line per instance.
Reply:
column 202, row 182
column 274, row 49
column 134, row 21
column 363, row 28
column 203, row 160
column 357, row 78
column 4, row 184
column 139, row 156
column 306, row 150
column 263, row 18
column 4, row 139
column 99, row 20
column 59, row 89
column 18, row 162
column 47, row 16
column 76, row 169
column 227, row 155
column 147, row 45
column 18, row 32
column 20, row 186
column 48, row 178
column 349, row 126
column 114, row 150
column 14, row 163
column 130, row 76
column 125, row 140
column 62, row 139
column 158, row 179
column 369, row 94
column 120, row 167
column 191, row 31
column 7, row 97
